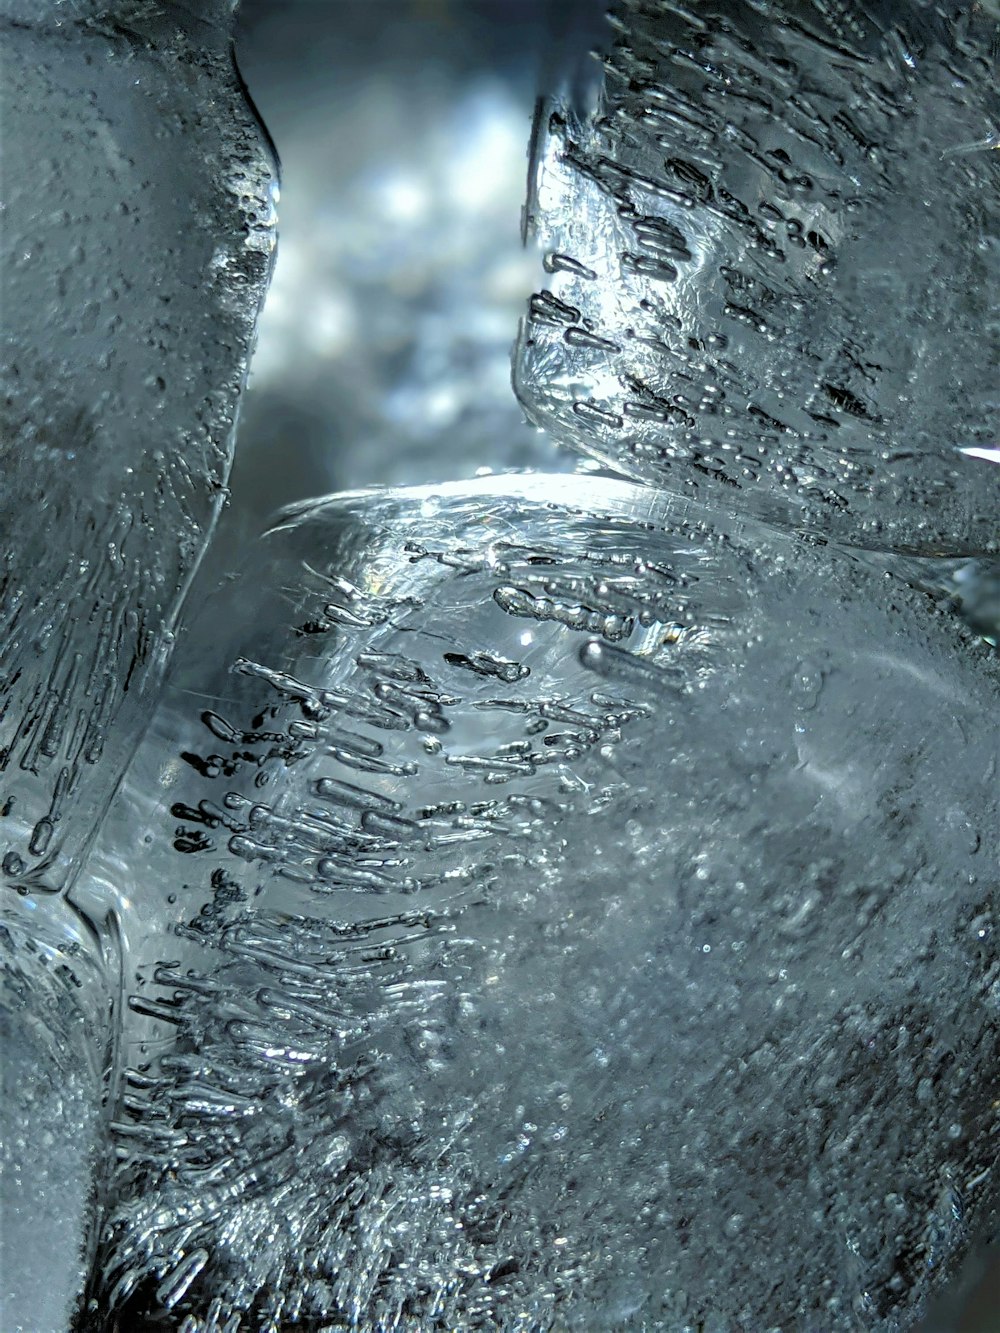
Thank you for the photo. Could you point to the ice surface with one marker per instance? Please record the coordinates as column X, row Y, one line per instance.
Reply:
column 54, row 1049
column 137, row 241
column 532, row 912
column 554, row 913
column 774, row 253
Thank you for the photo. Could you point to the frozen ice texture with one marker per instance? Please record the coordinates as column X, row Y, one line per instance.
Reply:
column 774, row 251
column 138, row 229
column 55, row 1050
column 558, row 907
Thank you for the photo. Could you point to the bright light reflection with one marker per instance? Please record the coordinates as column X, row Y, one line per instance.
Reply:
column 989, row 454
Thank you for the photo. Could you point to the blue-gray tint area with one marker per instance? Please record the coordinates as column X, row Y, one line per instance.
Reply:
column 562, row 909
column 403, row 128
column 537, row 902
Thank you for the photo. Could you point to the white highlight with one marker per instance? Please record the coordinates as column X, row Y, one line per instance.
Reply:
column 989, row 453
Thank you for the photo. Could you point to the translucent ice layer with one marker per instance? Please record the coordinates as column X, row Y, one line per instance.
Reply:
column 137, row 207
column 55, row 1052
column 138, row 231
column 554, row 913
column 774, row 254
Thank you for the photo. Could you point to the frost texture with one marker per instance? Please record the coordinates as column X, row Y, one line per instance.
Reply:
column 54, row 1047
column 533, row 937
column 774, row 254
column 138, row 233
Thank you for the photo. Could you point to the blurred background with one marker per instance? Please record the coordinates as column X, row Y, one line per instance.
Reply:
column 384, row 349
column 402, row 127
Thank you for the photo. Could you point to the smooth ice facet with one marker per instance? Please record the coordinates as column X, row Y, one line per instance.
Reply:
column 137, row 238
column 774, row 252
column 554, row 913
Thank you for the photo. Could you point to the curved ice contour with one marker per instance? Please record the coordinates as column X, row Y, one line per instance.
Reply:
column 138, row 230
column 534, row 912
column 571, row 915
column 774, row 254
